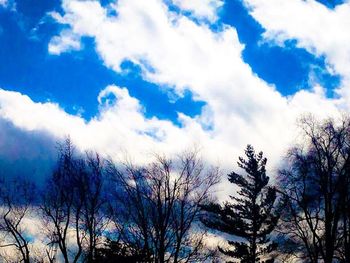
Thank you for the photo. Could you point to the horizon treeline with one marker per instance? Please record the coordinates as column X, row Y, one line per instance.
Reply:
column 91, row 209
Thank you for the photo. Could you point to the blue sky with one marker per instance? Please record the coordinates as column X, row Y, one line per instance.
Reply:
column 162, row 75
column 27, row 66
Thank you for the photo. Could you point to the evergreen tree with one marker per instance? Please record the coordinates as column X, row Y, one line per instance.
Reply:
column 250, row 217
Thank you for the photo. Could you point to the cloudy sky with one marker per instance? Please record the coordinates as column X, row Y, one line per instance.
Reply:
column 135, row 77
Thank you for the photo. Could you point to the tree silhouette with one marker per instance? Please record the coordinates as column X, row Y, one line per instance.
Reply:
column 94, row 218
column 17, row 195
column 61, row 207
column 74, row 206
column 250, row 216
column 158, row 206
column 315, row 186
column 115, row 251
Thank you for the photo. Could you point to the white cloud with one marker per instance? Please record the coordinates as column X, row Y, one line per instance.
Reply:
column 120, row 125
column 3, row 3
column 171, row 49
column 66, row 41
column 320, row 30
column 202, row 9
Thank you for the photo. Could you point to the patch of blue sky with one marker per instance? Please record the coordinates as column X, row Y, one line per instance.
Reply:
column 73, row 79
column 29, row 237
column 289, row 68
column 331, row 3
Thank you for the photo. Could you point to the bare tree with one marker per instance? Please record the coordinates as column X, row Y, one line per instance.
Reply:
column 314, row 189
column 74, row 205
column 61, row 209
column 16, row 200
column 159, row 205
column 94, row 218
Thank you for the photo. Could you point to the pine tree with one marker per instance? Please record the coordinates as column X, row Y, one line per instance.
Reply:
column 250, row 217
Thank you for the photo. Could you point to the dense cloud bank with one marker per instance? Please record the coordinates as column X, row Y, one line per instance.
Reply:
column 29, row 154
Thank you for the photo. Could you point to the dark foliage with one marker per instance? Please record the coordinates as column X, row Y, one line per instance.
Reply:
column 114, row 251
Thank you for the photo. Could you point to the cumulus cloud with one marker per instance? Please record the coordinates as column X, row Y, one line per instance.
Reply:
column 202, row 9
column 318, row 29
column 119, row 127
column 66, row 41
column 174, row 50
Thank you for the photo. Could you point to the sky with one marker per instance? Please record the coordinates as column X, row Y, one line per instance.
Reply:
column 130, row 78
